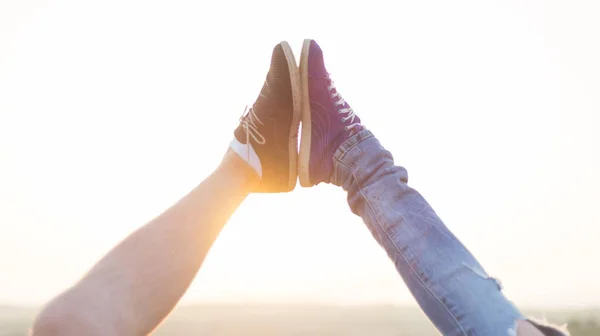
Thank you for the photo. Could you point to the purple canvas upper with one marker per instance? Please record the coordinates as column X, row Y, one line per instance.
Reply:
column 274, row 113
column 328, row 131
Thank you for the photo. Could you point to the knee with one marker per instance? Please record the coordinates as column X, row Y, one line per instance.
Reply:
column 52, row 320
column 63, row 316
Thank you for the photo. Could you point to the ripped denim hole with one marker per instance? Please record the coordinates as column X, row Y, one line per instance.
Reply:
column 484, row 275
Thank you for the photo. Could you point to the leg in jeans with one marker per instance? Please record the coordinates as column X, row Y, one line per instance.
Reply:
column 135, row 286
column 448, row 283
column 451, row 287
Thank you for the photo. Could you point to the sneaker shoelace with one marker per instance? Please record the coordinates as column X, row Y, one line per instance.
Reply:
column 348, row 111
column 249, row 122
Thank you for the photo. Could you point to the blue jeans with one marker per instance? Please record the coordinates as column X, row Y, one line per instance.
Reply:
column 448, row 283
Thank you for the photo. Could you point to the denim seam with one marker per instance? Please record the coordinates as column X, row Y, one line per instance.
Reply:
column 380, row 227
column 352, row 142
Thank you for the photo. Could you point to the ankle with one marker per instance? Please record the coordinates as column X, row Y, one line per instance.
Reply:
column 233, row 163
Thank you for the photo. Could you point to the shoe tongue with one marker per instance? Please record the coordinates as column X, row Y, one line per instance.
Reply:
column 316, row 61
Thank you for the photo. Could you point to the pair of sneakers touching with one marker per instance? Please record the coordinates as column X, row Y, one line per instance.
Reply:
column 134, row 286
column 267, row 137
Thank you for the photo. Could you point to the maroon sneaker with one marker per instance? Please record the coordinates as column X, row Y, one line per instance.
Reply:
column 327, row 119
column 267, row 136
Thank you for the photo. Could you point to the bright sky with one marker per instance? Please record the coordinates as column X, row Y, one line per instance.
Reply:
column 112, row 110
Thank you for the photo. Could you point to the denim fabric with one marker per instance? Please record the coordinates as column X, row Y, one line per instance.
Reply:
column 451, row 287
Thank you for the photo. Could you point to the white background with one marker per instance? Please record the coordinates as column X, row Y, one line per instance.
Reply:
column 110, row 111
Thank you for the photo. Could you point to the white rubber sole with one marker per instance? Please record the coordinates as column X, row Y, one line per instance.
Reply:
column 297, row 102
column 304, row 156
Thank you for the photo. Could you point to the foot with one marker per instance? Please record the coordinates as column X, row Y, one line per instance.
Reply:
column 327, row 119
column 267, row 137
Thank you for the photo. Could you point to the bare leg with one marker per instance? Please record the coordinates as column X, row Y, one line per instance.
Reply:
column 133, row 288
